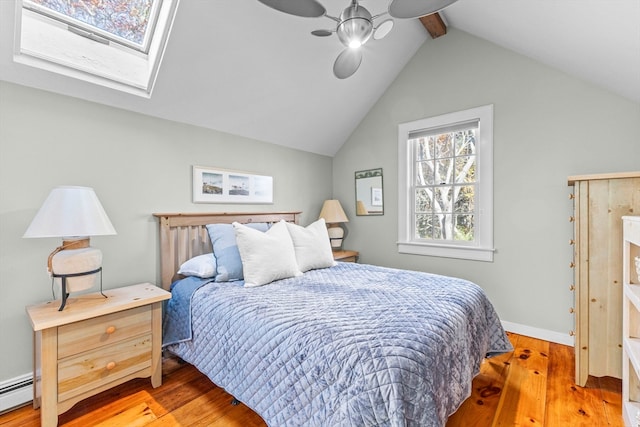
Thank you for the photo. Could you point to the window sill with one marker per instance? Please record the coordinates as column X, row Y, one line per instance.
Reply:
column 447, row 251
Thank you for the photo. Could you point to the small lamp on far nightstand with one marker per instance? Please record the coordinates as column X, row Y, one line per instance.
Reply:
column 334, row 216
column 361, row 209
column 73, row 213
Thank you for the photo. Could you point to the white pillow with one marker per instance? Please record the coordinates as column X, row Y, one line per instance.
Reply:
column 312, row 246
column 203, row 266
column 266, row 256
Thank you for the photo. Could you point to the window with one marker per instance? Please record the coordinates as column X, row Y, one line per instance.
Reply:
column 128, row 22
column 446, row 185
column 113, row 43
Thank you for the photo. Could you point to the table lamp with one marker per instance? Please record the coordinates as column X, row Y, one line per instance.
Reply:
column 334, row 216
column 74, row 214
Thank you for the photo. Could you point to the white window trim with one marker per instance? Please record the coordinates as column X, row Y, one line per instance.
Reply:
column 482, row 249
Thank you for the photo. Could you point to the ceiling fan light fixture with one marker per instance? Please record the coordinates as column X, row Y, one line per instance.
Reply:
column 355, row 26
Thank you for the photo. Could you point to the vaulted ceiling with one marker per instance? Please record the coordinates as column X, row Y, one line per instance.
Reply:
column 243, row 68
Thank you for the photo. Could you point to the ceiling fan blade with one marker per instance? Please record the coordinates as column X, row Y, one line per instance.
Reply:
column 405, row 9
column 304, row 8
column 321, row 33
column 347, row 63
column 382, row 29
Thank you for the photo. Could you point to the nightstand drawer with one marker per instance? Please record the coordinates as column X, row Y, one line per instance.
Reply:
column 92, row 369
column 88, row 334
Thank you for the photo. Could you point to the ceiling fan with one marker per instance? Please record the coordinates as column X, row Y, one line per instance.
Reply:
column 355, row 25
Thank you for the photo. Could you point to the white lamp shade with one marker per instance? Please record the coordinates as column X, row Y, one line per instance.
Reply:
column 332, row 212
column 71, row 212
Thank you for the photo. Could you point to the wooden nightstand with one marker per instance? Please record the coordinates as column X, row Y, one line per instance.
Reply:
column 346, row 256
column 94, row 344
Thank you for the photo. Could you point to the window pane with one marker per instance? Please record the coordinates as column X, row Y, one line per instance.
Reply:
column 424, row 149
column 443, row 145
column 466, row 142
column 442, row 200
column 424, row 201
column 444, row 171
column 125, row 19
column 424, row 173
column 444, row 161
column 443, row 227
column 424, row 226
column 466, row 169
column 464, row 228
column 464, row 199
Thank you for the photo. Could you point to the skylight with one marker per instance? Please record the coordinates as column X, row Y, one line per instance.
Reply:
column 113, row 43
column 129, row 22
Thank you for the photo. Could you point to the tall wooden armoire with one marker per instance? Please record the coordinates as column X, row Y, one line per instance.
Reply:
column 600, row 201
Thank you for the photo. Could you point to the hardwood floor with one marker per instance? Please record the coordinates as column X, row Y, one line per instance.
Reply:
column 534, row 385
column 531, row 386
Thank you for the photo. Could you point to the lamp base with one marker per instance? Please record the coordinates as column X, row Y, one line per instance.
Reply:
column 67, row 244
column 75, row 270
column 63, row 285
column 336, row 236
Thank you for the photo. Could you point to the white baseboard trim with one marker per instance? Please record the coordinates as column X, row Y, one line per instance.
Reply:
column 543, row 334
column 16, row 392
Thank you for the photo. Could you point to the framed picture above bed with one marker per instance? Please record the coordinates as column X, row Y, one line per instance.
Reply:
column 213, row 185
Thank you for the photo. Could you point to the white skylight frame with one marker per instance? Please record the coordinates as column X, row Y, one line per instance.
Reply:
column 46, row 43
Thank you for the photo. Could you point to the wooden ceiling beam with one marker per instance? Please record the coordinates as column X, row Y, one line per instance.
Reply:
column 434, row 25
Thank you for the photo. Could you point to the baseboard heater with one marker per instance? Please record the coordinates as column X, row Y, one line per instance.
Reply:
column 16, row 392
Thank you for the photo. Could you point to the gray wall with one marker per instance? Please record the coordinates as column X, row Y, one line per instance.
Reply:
column 547, row 126
column 137, row 165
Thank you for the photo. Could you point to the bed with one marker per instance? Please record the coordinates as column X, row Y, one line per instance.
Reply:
column 346, row 344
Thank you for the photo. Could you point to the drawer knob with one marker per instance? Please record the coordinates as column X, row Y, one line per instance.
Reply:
column 572, row 242
column 111, row 365
column 571, row 310
column 572, row 287
column 572, row 196
column 572, row 333
column 572, row 264
column 110, row 330
column 572, row 219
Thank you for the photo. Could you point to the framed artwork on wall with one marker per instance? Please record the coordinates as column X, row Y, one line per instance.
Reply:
column 213, row 185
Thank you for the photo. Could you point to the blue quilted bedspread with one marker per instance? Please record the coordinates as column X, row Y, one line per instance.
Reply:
column 350, row 345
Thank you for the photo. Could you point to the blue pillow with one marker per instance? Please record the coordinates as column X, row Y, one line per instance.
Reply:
column 225, row 249
column 203, row 266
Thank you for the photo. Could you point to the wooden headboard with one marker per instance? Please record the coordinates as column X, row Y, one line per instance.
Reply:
column 184, row 235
